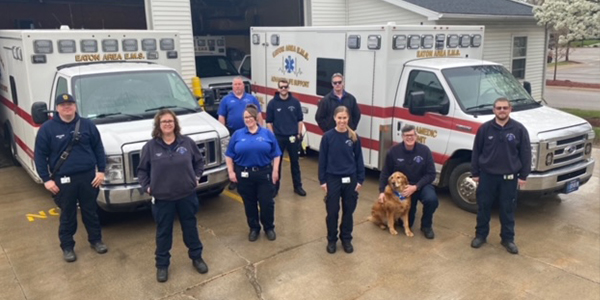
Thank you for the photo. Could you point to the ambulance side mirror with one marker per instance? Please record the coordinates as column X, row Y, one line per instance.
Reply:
column 39, row 112
column 527, row 86
column 416, row 101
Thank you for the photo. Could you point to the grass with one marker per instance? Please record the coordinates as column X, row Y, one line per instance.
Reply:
column 588, row 115
column 560, row 63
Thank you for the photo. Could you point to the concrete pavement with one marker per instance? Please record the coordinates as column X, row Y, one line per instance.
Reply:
column 566, row 97
column 588, row 69
column 559, row 240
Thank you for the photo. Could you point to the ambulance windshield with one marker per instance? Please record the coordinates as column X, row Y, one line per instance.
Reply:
column 131, row 94
column 214, row 66
column 476, row 88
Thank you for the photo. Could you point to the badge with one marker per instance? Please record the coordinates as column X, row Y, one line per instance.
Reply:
column 292, row 139
column 244, row 174
column 345, row 179
column 65, row 180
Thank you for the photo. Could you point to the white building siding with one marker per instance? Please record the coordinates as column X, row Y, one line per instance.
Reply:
column 175, row 15
column 328, row 12
column 369, row 12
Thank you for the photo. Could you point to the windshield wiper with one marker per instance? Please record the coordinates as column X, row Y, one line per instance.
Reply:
column 171, row 106
column 480, row 106
column 100, row 116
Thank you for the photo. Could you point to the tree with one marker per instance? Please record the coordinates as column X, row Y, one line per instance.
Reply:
column 571, row 20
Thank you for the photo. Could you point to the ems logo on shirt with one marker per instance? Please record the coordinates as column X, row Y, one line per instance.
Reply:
column 159, row 154
column 60, row 136
column 260, row 139
column 279, row 109
column 401, row 159
column 510, row 137
column 418, row 159
column 490, row 137
column 349, row 143
column 181, row 150
column 291, row 108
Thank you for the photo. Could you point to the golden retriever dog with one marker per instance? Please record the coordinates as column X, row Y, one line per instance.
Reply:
column 393, row 207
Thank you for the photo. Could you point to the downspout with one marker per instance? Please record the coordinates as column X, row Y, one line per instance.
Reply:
column 546, row 41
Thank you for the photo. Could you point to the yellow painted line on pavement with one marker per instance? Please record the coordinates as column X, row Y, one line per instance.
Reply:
column 233, row 196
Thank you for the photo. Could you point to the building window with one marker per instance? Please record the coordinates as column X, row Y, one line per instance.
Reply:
column 519, row 56
column 326, row 67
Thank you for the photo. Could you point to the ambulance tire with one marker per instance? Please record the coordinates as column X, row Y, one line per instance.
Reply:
column 10, row 141
column 462, row 188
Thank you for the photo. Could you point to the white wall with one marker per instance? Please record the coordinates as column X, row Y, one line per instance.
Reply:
column 175, row 15
column 327, row 12
column 374, row 12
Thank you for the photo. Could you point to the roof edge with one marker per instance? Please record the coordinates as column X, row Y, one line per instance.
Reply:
column 430, row 14
column 486, row 17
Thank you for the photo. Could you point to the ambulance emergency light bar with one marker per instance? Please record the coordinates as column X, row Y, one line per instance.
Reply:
column 43, row 47
column 427, row 41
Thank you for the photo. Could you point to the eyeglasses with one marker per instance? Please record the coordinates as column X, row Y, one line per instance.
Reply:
column 502, row 107
column 336, row 82
column 167, row 122
column 408, row 135
column 284, row 87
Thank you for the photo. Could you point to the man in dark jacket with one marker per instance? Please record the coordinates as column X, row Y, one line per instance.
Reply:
column 501, row 161
column 338, row 96
column 284, row 118
column 416, row 162
column 79, row 177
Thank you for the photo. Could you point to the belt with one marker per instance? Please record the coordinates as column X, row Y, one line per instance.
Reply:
column 254, row 169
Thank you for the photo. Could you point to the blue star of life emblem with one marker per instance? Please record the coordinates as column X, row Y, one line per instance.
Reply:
column 290, row 64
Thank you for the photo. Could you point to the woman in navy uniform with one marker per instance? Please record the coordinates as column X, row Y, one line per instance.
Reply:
column 170, row 167
column 341, row 174
column 253, row 163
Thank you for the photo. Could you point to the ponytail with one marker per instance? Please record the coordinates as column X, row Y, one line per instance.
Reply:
column 352, row 135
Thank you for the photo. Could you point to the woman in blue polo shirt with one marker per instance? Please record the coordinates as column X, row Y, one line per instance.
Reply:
column 253, row 161
column 341, row 174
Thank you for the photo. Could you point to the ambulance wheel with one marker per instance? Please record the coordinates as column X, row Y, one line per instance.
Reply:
column 12, row 145
column 463, row 188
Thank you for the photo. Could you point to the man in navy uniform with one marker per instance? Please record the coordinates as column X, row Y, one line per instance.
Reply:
column 79, row 177
column 284, row 118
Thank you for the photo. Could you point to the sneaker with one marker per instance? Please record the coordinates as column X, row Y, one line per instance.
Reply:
column 200, row 265
column 69, row 255
column 428, row 232
column 253, row 235
column 347, row 245
column 511, row 247
column 271, row 236
column 477, row 242
column 162, row 274
column 300, row 191
column 99, row 247
column 331, row 248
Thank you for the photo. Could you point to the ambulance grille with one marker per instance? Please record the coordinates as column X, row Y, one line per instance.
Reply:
column 208, row 149
column 563, row 151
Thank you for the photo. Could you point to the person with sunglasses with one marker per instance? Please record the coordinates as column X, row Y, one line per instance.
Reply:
column 500, row 163
column 252, row 158
column 284, row 118
column 338, row 96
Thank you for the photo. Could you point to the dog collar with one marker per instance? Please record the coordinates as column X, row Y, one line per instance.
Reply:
column 399, row 195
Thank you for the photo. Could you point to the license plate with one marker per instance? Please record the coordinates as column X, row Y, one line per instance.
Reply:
column 572, row 186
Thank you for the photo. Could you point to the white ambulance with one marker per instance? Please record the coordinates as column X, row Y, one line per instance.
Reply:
column 432, row 77
column 119, row 79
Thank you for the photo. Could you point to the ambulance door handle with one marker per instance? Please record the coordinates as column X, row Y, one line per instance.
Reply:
column 398, row 126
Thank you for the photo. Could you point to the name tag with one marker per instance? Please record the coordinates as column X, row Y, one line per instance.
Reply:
column 244, row 174
column 345, row 179
column 509, row 177
column 65, row 180
column 292, row 139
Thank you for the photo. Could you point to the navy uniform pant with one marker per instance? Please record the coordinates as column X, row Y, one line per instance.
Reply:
column 292, row 149
column 257, row 189
column 77, row 189
column 428, row 197
column 347, row 192
column 164, row 212
column 490, row 188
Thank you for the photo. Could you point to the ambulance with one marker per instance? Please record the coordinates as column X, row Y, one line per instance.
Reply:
column 120, row 79
column 429, row 76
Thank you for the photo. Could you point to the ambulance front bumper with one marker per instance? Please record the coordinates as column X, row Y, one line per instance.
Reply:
column 131, row 197
column 555, row 181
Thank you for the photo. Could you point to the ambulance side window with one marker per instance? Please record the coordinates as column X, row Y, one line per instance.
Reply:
column 326, row 67
column 61, row 86
column 428, row 83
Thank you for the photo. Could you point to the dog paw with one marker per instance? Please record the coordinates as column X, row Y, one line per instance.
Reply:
column 393, row 232
column 409, row 234
column 383, row 227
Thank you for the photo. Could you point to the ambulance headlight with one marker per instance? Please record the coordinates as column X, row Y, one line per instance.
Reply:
column 427, row 41
column 452, row 41
column 224, row 144
column 255, row 39
column 465, row 41
column 167, row 44
column 549, row 158
column 374, row 42
column 275, row 39
column 414, row 41
column 399, row 42
column 149, row 45
column 534, row 156
column 114, row 170
column 42, row 46
column 354, row 41
column 476, row 40
column 66, row 46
